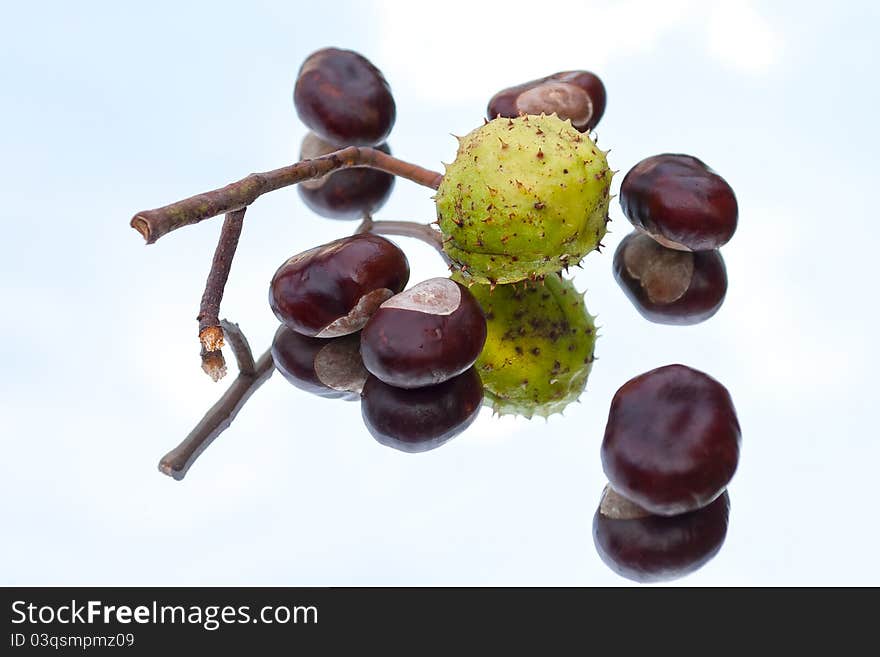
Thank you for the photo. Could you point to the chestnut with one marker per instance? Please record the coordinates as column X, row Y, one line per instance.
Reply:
column 576, row 95
column 346, row 194
column 332, row 290
column 425, row 335
column 648, row 548
column 668, row 286
column 421, row 419
column 344, row 99
column 672, row 440
column 680, row 202
column 329, row 368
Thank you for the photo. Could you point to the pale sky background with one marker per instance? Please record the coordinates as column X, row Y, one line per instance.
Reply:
column 109, row 108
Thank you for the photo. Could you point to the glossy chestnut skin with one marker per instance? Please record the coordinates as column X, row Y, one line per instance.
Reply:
column 331, row 290
column 330, row 368
column 344, row 99
column 576, row 95
column 672, row 440
column 424, row 336
column 347, row 194
column 421, row 419
column 668, row 286
column 680, row 202
column 659, row 549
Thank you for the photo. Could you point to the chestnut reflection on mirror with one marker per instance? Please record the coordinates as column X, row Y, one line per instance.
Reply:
column 330, row 368
column 668, row 286
column 346, row 194
column 421, row 419
column 648, row 548
column 333, row 289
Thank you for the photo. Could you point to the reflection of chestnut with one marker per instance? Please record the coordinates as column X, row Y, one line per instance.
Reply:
column 648, row 548
column 425, row 335
column 332, row 289
column 421, row 419
column 668, row 286
column 346, row 194
column 680, row 202
column 672, row 440
column 575, row 95
column 327, row 368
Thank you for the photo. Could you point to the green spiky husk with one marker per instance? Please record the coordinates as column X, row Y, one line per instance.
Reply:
column 539, row 348
column 524, row 198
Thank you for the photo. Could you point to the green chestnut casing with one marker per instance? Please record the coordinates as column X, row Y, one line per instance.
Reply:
column 539, row 346
column 524, row 197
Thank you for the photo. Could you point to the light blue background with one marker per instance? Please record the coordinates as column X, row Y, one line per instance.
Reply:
column 109, row 108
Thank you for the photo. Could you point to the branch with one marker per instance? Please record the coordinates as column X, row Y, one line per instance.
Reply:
column 153, row 224
column 422, row 232
column 210, row 333
column 178, row 461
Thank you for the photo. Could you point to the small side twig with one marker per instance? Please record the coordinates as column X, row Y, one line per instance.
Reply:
column 244, row 358
column 153, row 224
column 423, row 232
column 251, row 376
column 210, row 333
column 365, row 225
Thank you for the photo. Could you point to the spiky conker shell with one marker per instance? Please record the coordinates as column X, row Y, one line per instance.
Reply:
column 539, row 346
column 524, row 197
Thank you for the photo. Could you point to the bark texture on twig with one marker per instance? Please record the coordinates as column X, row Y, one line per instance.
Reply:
column 153, row 224
column 210, row 333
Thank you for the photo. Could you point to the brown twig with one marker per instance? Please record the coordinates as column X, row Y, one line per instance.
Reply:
column 153, row 224
column 178, row 461
column 422, row 232
column 244, row 358
column 365, row 225
column 210, row 333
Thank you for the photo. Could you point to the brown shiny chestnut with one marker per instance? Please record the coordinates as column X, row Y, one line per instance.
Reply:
column 329, row 368
column 347, row 194
column 647, row 548
column 576, row 95
column 680, row 202
column 343, row 98
column 331, row 290
column 672, row 440
column 668, row 286
column 425, row 335
column 421, row 419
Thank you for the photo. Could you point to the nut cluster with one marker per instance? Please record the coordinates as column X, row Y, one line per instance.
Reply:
column 526, row 197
